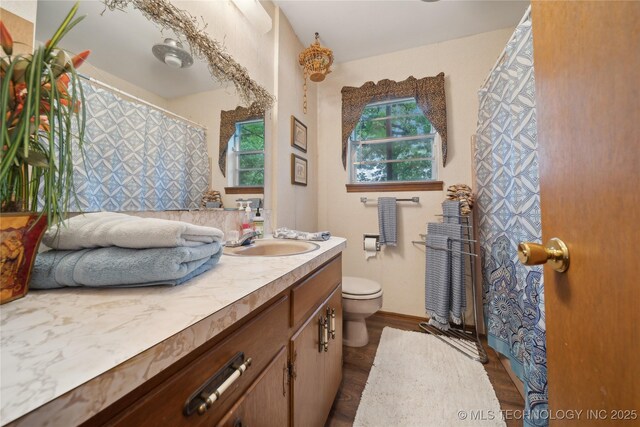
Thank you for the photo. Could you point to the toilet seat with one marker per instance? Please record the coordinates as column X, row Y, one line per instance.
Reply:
column 358, row 288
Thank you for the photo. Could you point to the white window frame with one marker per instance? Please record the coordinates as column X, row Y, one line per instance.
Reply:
column 233, row 157
column 435, row 149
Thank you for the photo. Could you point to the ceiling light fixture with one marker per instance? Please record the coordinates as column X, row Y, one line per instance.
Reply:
column 173, row 54
column 316, row 62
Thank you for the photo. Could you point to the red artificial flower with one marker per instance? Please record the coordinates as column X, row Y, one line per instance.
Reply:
column 79, row 59
column 5, row 39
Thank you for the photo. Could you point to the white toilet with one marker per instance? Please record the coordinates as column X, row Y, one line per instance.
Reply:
column 360, row 299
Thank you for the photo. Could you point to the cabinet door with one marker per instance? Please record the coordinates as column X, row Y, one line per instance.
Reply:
column 308, row 373
column 317, row 373
column 266, row 402
column 333, row 357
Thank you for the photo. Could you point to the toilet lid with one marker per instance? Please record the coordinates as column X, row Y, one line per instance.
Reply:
column 359, row 286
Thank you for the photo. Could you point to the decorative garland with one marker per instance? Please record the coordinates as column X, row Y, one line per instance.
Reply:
column 222, row 66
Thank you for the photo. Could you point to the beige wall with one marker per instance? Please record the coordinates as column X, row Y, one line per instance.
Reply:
column 227, row 25
column 465, row 62
column 287, row 205
column 255, row 52
column 88, row 69
column 21, row 30
column 26, row 9
column 293, row 206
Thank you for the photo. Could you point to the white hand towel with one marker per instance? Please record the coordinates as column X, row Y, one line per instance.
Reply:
column 103, row 229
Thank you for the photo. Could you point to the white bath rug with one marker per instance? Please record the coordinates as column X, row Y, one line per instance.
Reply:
column 419, row 381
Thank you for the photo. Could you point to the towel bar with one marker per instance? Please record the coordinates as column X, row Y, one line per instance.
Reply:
column 423, row 236
column 418, row 242
column 413, row 199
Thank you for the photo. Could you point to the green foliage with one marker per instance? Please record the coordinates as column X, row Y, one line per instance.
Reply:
column 399, row 119
column 250, row 164
column 251, row 161
column 253, row 178
column 251, row 135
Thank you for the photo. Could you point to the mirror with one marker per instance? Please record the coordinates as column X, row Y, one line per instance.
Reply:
column 138, row 101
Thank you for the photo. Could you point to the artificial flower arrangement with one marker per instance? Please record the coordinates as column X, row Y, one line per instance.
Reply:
column 42, row 124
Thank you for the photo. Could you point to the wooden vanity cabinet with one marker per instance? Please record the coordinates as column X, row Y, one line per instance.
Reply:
column 260, row 339
column 316, row 365
column 292, row 380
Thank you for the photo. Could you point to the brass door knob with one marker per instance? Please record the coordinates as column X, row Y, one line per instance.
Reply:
column 555, row 252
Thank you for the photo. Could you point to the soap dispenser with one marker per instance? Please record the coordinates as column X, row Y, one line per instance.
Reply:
column 246, row 220
column 258, row 224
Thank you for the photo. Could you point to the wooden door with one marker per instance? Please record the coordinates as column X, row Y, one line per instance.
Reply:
column 308, row 382
column 266, row 402
column 333, row 357
column 587, row 71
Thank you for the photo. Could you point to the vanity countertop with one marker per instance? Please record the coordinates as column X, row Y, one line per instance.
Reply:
column 58, row 347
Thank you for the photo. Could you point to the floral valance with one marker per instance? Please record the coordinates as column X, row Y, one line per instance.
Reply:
column 228, row 120
column 428, row 92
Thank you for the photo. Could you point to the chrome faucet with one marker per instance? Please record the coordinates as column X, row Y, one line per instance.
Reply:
column 245, row 240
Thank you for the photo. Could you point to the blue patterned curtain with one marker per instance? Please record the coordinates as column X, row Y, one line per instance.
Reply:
column 509, row 213
column 137, row 157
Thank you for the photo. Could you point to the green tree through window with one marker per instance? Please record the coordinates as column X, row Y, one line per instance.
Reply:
column 248, row 150
column 393, row 141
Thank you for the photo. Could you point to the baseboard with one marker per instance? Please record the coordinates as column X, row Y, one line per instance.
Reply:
column 391, row 314
column 417, row 319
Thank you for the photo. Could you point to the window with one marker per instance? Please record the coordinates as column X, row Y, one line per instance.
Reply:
column 246, row 156
column 393, row 142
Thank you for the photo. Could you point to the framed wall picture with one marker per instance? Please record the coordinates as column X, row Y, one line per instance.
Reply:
column 298, row 170
column 298, row 134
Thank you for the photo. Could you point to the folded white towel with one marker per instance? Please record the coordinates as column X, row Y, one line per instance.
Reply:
column 103, row 229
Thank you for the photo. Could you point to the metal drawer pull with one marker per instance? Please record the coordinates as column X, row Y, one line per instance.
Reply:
column 208, row 400
column 331, row 314
column 323, row 334
column 326, row 334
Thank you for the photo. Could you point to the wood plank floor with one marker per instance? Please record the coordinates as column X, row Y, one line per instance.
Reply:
column 358, row 362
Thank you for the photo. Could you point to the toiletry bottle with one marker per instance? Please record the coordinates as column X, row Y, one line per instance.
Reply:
column 258, row 224
column 246, row 220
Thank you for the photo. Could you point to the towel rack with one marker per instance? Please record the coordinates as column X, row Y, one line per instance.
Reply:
column 413, row 199
column 443, row 249
column 466, row 342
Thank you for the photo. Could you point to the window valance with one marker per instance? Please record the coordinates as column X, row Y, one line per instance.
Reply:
column 228, row 120
column 428, row 92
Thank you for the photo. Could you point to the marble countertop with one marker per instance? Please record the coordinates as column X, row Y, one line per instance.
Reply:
column 58, row 347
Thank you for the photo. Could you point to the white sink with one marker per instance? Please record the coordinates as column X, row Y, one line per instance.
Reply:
column 272, row 248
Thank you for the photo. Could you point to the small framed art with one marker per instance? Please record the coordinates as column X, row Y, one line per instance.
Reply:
column 298, row 170
column 298, row 134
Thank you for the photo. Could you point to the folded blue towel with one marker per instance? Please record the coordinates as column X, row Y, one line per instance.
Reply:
column 437, row 281
column 451, row 211
column 457, row 260
column 387, row 221
column 122, row 267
